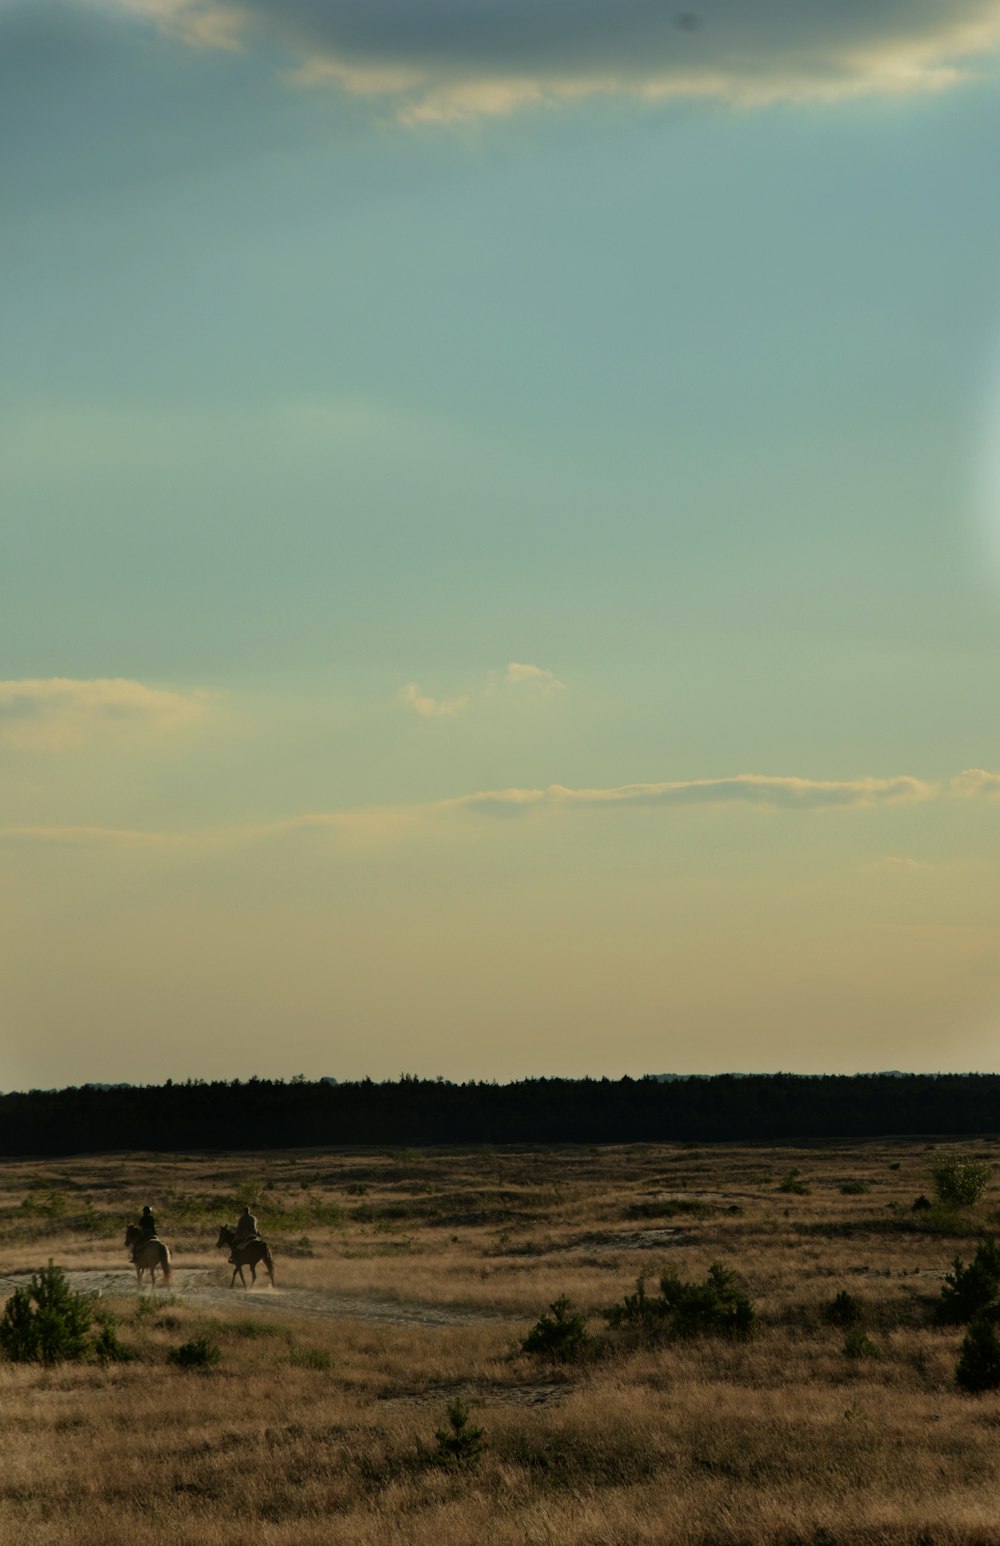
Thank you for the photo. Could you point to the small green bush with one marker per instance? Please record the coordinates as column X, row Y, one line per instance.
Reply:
column 108, row 1346
column 960, row 1181
column 48, row 1321
column 559, row 1335
column 459, row 1443
column 978, row 1366
column 792, row 1184
column 857, row 1345
column 716, row 1307
column 970, row 1291
column 844, row 1310
column 199, row 1353
column 854, row 1188
column 921, row 1204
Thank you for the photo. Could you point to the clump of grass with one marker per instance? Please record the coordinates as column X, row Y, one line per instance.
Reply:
column 854, row 1188
column 669, row 1208
column 793, row 1185
column 311, row 1358
column 252, row 1329
column 199, row 1353
column 560, row 1334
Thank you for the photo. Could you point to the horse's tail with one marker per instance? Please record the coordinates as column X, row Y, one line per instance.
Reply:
column 165, row 1263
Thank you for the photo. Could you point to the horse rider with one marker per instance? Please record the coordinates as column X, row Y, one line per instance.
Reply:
column 147, row 1228
column 246, row 1230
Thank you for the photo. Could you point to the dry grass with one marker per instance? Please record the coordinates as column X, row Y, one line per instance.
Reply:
column 317, row 1427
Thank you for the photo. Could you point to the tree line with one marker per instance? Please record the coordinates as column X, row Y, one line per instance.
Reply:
column 274, row 1113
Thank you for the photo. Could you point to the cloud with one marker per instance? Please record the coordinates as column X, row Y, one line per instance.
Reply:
column 50, row 713
column 899, row 864
column 773, row 792
column 431, row 708
column 519, row 672
column 976, row 784
column 371, row 826
column 446, row 60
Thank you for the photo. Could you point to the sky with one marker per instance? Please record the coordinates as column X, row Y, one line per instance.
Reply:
column 500, row 538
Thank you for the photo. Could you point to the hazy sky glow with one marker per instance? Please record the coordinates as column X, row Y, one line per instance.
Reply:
column 500, row 565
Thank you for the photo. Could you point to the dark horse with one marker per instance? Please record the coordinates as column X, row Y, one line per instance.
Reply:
column 148, row 1253
column 251, row 1254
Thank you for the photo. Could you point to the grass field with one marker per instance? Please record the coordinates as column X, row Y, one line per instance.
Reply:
column 408, row 1278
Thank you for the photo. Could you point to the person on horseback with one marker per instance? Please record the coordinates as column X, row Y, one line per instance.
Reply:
column 246, row 1230
column 147, row 1229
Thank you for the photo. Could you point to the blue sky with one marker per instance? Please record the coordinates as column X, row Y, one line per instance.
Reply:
column 406, row 403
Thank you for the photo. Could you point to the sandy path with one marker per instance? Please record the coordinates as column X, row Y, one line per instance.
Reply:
column 199, row 1286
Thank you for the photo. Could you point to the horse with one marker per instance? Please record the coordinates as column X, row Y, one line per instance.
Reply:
column 148, row 1253
column 249, row 1254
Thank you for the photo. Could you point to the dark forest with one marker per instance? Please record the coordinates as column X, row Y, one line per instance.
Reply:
column 263, row 1113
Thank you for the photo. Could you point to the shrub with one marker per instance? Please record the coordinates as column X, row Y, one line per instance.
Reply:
column 716, row 1307
column 458, row 1444
column 857, row 1345
column 108, row 1347
column 960, row 1181
column 560, row 1335
column 978, row 1366
column 47, row 1321
column 921, row 1204
column 199, row 1353
column 792, row 1184
column 844, row 1310
column 969, row 1291
column 854, row 1188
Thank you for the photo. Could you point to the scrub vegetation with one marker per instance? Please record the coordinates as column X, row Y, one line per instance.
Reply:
column 604, row 1346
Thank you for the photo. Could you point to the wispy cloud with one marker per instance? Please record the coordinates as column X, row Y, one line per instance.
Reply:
column 520, row 673
column 773, row 792
column 431, row 708
column 50, row 713
column 443, row 60
column 369, row 826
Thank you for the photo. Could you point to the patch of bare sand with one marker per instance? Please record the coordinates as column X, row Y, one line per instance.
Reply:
column 195, row 1287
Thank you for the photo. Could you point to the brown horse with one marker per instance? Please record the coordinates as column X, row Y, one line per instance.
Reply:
column 249, row 1255
column 148, row 1253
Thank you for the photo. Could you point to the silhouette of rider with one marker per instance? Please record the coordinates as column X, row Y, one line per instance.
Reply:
column 246, row 1226
column 147, row 1228
column 246, row 1230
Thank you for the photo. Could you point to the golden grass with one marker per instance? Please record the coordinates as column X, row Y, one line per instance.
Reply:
column 317, row 1424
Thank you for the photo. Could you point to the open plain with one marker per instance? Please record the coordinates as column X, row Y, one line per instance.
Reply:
column 407, row 1279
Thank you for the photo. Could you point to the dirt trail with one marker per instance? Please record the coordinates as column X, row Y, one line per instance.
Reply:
column 201, row 1287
